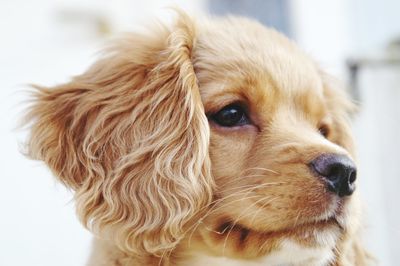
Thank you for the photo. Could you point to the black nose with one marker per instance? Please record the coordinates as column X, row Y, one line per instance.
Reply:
column 338, row 171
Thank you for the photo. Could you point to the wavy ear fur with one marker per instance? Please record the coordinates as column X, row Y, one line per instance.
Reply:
column 131, row 138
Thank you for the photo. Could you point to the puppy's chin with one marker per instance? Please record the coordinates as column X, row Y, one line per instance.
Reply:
column 332, row 212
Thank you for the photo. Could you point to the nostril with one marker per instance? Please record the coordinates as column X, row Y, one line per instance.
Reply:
column 334, row 171
column 353, row 177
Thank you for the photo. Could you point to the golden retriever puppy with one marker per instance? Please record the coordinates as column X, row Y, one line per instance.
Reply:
column 216, row 142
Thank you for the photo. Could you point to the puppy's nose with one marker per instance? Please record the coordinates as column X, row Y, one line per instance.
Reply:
column 338, row 171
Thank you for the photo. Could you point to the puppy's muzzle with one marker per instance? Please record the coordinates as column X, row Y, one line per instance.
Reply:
column 338, row 172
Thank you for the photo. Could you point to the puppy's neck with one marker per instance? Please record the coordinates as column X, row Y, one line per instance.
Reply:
column 236, row 245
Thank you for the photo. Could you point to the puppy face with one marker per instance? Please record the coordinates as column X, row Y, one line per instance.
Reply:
column 223, row 125
column 272, row 112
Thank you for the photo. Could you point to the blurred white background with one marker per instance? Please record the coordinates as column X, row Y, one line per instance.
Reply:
column 48, row 41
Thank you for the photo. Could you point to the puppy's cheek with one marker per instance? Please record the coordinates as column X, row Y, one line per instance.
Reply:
column 229, row 151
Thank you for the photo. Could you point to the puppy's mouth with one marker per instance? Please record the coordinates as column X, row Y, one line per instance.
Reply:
column 226, row 226
column 313, row 233
column 332, row 217
column 332, row 220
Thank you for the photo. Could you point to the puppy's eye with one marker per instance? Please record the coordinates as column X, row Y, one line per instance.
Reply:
column 324, row 130
column 231, row 116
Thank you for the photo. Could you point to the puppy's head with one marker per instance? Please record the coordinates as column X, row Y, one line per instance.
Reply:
column 226, row 120
column 281, row 149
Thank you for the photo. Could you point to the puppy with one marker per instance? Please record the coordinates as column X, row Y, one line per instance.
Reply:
column 209, row 143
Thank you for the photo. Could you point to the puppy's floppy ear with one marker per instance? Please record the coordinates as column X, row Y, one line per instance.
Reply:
column 131, row 138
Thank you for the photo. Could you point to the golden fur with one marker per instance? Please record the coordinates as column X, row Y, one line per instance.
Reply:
column 157, row 181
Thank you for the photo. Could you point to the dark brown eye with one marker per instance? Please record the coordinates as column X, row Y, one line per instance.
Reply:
column 324, row 130
column 231, row 116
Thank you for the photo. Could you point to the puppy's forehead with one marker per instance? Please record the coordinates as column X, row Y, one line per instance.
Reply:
column 244, row 51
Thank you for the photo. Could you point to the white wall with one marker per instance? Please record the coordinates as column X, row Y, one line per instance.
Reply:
column 377, row 128
column 372, row 24
column 321, row 29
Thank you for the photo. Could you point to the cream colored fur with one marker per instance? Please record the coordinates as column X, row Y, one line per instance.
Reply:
column 158, row 182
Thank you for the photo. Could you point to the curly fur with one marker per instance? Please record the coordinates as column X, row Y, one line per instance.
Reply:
column 158, row 182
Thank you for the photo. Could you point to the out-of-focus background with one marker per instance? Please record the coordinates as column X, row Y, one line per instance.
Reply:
column 48, row 41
